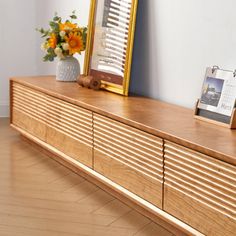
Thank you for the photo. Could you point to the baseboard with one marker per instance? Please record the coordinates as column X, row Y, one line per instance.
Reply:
column 4, row 109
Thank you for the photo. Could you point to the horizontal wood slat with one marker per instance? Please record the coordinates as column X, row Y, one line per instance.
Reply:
column 156, row 173
column 70, row 145
column 140, row 148
column 70, row 108
column 218, row 202
column 70, row 130
column 30, row 124
column 30, row 102
column 128, row 151
column 135, row 135
column 70, row 120
column 28, row 110
column 134, row 180
column 125, row 143
column 208, row 182
column 197, row 214
column 200, row 176
column 61, row 124
column 201, row 159
column 27, row 91
column 39, row 103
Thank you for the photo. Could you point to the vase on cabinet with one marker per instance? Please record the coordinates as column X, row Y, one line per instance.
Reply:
column 68, row 69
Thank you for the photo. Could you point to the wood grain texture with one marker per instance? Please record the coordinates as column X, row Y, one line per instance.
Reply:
column 173, row 225
column 61, row 124
column 30, row 124
column 69, row 129
column 71, row 146
column 167, row 121
column 129, row 157
column 40, row 197
column 204, row 185
column 200, row 216
column 129, row 145
column 125, row 144
column 28, row 110
column 137, row 182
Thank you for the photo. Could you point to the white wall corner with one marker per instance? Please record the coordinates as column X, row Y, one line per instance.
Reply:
column 4, row 109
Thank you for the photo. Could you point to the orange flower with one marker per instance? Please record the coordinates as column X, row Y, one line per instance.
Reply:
column 67, row 26
column 75, row 43
column 52, row 42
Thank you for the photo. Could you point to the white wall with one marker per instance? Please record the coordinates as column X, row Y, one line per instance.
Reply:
column 175, row 41
column 17, row 44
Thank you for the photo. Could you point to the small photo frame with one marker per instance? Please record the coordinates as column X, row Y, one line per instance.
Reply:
column 211, row 91
column 218, row 93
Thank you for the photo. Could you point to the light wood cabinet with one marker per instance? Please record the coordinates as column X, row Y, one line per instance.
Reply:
column 69, row 129
column 151, row 154
column 60, row 124
column 129, row 157
column 200, row 190
column 29, row 110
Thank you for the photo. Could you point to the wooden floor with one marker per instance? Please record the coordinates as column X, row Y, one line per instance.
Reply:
column 39, row 197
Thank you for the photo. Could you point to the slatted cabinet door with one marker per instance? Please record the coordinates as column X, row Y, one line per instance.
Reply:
column 29, row 110
column 129, row 157
column 200, row 190
column 70, row 129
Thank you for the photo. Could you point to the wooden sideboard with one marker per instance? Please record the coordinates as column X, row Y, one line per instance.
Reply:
column 152, row 154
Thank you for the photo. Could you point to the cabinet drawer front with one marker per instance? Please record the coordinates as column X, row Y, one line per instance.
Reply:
column 29, row 110
column 70, row 129
column 204, row 184
column 129, row 157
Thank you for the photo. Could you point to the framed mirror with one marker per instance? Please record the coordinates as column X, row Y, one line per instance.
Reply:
column 110, row 41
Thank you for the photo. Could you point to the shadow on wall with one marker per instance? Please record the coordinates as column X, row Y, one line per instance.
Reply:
column 144, row 51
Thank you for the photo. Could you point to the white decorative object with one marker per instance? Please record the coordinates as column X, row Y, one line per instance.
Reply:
column 68, row 69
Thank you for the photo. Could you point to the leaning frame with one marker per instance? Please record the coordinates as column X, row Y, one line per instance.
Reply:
column 120, row 89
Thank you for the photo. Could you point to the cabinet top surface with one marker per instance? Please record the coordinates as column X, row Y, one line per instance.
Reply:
column 165, row 120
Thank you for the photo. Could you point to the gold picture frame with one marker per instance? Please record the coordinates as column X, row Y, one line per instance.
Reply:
column 110, row 40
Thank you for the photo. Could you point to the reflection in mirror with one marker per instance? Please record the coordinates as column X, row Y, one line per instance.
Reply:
column 110, row 43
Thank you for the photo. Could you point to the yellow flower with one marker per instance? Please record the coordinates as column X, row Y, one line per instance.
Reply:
column 52, row 42
column 75, row 43
column 67, row 26
column 44, row 46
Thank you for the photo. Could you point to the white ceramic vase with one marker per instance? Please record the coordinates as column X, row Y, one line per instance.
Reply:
column 68, row 69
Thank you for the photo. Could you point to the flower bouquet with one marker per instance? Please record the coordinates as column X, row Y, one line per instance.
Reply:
column 63, row 40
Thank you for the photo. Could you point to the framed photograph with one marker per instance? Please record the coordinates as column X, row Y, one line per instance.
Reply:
column 218, row 92
column 110, row 43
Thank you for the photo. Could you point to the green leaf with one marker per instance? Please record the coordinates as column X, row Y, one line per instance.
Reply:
column 73, row 17
column 50, row 55
column 46, row 57
column 50, row 51
column 54, row 26
column 56, row 18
